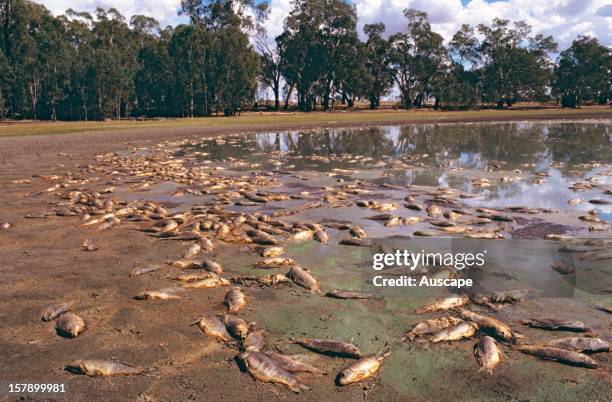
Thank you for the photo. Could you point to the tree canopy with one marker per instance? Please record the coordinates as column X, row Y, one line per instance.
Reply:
column 81, row 66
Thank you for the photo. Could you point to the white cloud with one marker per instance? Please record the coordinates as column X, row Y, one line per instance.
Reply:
column 564, row 19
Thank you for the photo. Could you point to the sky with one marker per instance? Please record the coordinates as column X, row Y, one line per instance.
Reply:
column 564, row 19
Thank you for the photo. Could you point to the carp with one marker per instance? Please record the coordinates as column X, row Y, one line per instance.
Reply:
column 254, row 341
column 214, row 327
column 433, row 210
column 487, row 353
column 361, row 369
column 52, row 312
column 185, row 263
column 145, row 270
column 274, row 262
column 266, row 369
column 358, row 232
column 193, row 276
column 102, row 368
column 162, row 294
column 236, row 326
column 207, row 283
column 489, row 325
column 463, row 330
column 555, row 324
column 271, row 251
column 303, row 278
column 354, row 241
column 302, row 235
column 349, row 294
column 329, row 347
column 70, row 325
column 447, row 303
column 293, row 365
column 431, row 326
column 579, row 344
column 235, row 300
column 212, row 266
column 268, row 280
column 321, row 236
column 560, row 355
column 192, row 251
column 89, row 245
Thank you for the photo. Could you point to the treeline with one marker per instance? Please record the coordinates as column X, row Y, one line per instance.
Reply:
column 79, row 66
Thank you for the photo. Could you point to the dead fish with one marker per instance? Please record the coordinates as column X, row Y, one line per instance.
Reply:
column 265, row 241
column 109, row 223
column 349, row 294
column 600, row 201
column 555, row 324
column 579, row 344
column 235, row 300
column 463, row 330
column 268, row 280
column 275, row 262
column 293, row 365
column 70, row 325
column 361, row 369
column 321, row 236
column 488, row 355
column 560, row 355
column 88, row 245
column 447, row 303
column 52, row 312
column 194, row 276
column 382, row 217
column 266, row 369
column 206, row 244
column 563, row 268
column 433, row 210
column 431, row 326
column 5, row 225
column 214, row 327
column 303, row 278
column 411, row 220
column 425, row 233
column 395, row 221
column 328, row 346
column 193, row 251
column 271, row 251
column 207, row 283
column 358, row 232
column 489, row 325
column 354, row 241
column 186, row 263
column 212, row 266
column 162, row 294
column 414, row 206
column 102, row 368
column 302, row 235
column 145, row 270
column 236, row 326
column 254, row 341
column 509, row 296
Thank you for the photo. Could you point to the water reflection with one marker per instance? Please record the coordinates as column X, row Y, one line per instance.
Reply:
column 444, row 155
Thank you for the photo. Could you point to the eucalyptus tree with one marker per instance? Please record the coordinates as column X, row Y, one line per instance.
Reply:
column 379, row 78
column 418, row 58
column 515, row 66
column 584, row 73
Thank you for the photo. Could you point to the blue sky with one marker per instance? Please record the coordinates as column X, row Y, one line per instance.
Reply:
column 564, row 19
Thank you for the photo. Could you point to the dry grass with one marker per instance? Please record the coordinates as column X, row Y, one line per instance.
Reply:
column 320, row 118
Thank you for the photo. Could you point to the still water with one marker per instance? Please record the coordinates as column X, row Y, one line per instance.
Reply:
column 527, row 164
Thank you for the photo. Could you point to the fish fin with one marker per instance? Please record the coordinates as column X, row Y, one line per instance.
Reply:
column 196, row 322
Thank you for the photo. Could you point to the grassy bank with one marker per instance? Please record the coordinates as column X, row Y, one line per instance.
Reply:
column 269, row 120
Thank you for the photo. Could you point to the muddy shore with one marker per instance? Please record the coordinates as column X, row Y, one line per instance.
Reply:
column 42, row 264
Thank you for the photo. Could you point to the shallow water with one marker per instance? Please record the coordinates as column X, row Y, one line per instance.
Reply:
column 509, row 154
